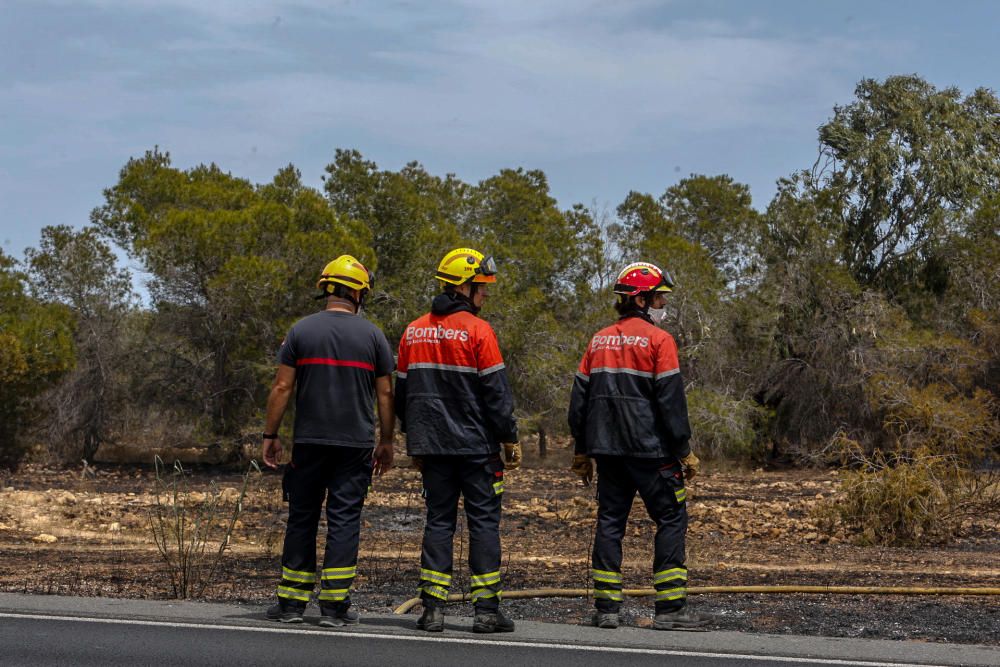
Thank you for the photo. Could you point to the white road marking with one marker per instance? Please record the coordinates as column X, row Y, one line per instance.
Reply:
column 285, row 629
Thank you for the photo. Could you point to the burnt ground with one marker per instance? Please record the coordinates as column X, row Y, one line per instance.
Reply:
column 72, row 533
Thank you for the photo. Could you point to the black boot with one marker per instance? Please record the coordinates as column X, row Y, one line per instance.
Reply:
column 337, row 617
column 605, row 619
column 283, row 612
column 681, row 619
column 492, row 622
column 432, row 620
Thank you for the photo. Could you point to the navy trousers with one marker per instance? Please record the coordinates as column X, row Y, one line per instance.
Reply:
column 479, row 479
column 342, row 476
column 660, row 484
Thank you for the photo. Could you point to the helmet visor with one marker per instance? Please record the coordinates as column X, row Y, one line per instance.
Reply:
column 487, row 267
column 666, row 283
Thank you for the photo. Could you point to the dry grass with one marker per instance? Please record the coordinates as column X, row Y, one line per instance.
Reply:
column 919, row 499
column 192, row 529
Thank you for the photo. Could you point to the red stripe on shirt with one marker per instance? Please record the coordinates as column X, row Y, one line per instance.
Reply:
column 324, row 361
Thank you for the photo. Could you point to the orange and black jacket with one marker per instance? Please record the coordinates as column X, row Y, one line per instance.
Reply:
column 452, row 391
column 628, row 395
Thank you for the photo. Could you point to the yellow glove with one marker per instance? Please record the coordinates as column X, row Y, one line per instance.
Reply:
column 583, row 467
column 512, row 455
column 691, row 465
column 417, row 462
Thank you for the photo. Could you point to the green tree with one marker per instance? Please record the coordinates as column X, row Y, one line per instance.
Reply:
column 36, row 350
column 545, row 293
column 890, row 215
column 972, row 258
column 230, row 266
column 717, row 214
column 639, row 217
column 79, row 271
column 412, row 218
column 806, row 323
column 704, row 231
column 905, row 159
column 712, row 213
column 695, row 315
column 547, row 258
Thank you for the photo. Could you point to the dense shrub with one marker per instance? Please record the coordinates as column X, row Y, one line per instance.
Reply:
column 727, row 428
column 917, row 499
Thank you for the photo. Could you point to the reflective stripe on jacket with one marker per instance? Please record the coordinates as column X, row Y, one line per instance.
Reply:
column 452, row 391
column 628, row 395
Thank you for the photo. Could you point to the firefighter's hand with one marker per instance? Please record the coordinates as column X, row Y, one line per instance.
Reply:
column 512, row 455
column 382, row 458
column 584, row 468
column 271, row 452
column 417, row 462
column 691, row 465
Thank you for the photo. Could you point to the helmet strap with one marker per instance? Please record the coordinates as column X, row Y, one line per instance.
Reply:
column 346, row 293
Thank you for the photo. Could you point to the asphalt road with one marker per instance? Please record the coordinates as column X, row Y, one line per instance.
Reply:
column 49, row 630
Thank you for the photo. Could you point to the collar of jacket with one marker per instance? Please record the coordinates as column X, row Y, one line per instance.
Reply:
column 637, row 313
column 447, row 303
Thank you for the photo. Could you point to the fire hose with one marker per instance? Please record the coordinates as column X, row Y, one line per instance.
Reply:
column 703, row 590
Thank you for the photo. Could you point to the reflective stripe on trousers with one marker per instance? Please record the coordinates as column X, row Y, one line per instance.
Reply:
column 662, row 492
column 475, row 478
column 340, row 475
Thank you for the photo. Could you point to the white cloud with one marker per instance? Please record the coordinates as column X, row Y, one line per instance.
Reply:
column 539, row 87
column 515, row 81
column 229, row 12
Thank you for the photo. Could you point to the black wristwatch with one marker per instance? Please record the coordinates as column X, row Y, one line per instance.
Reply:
column 269, row 436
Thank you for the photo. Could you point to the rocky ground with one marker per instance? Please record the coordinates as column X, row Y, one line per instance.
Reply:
column 89, row 533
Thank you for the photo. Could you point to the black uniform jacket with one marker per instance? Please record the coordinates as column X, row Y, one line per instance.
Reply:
column 628, row 395
column 452, row 391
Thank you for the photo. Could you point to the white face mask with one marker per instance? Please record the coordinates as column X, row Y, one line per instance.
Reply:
column 657, row 315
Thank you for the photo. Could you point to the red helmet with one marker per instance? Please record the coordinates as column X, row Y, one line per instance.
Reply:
column 640, row 277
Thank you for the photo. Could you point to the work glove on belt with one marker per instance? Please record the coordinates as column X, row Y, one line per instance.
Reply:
column 512, row 455
column 583, row 467
column 691, row 465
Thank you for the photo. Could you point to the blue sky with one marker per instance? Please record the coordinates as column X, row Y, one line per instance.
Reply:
column 605, row 97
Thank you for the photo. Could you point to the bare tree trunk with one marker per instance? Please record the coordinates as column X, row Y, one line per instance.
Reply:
column 542, row 444
column 91, row 443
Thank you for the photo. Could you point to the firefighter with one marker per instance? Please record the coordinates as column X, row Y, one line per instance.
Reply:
column 628, row 412
column 340, row 365
column 455, row 405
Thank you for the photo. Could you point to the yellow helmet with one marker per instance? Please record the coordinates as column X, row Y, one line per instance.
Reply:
column 464, row 264
column 347, row 271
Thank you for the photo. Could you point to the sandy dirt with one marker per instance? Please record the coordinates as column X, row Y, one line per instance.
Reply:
column 69, row 532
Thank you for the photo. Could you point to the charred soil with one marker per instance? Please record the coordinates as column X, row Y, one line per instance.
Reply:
column 66, row 533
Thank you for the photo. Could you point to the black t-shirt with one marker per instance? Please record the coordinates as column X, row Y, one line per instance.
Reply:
column 336, row 357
